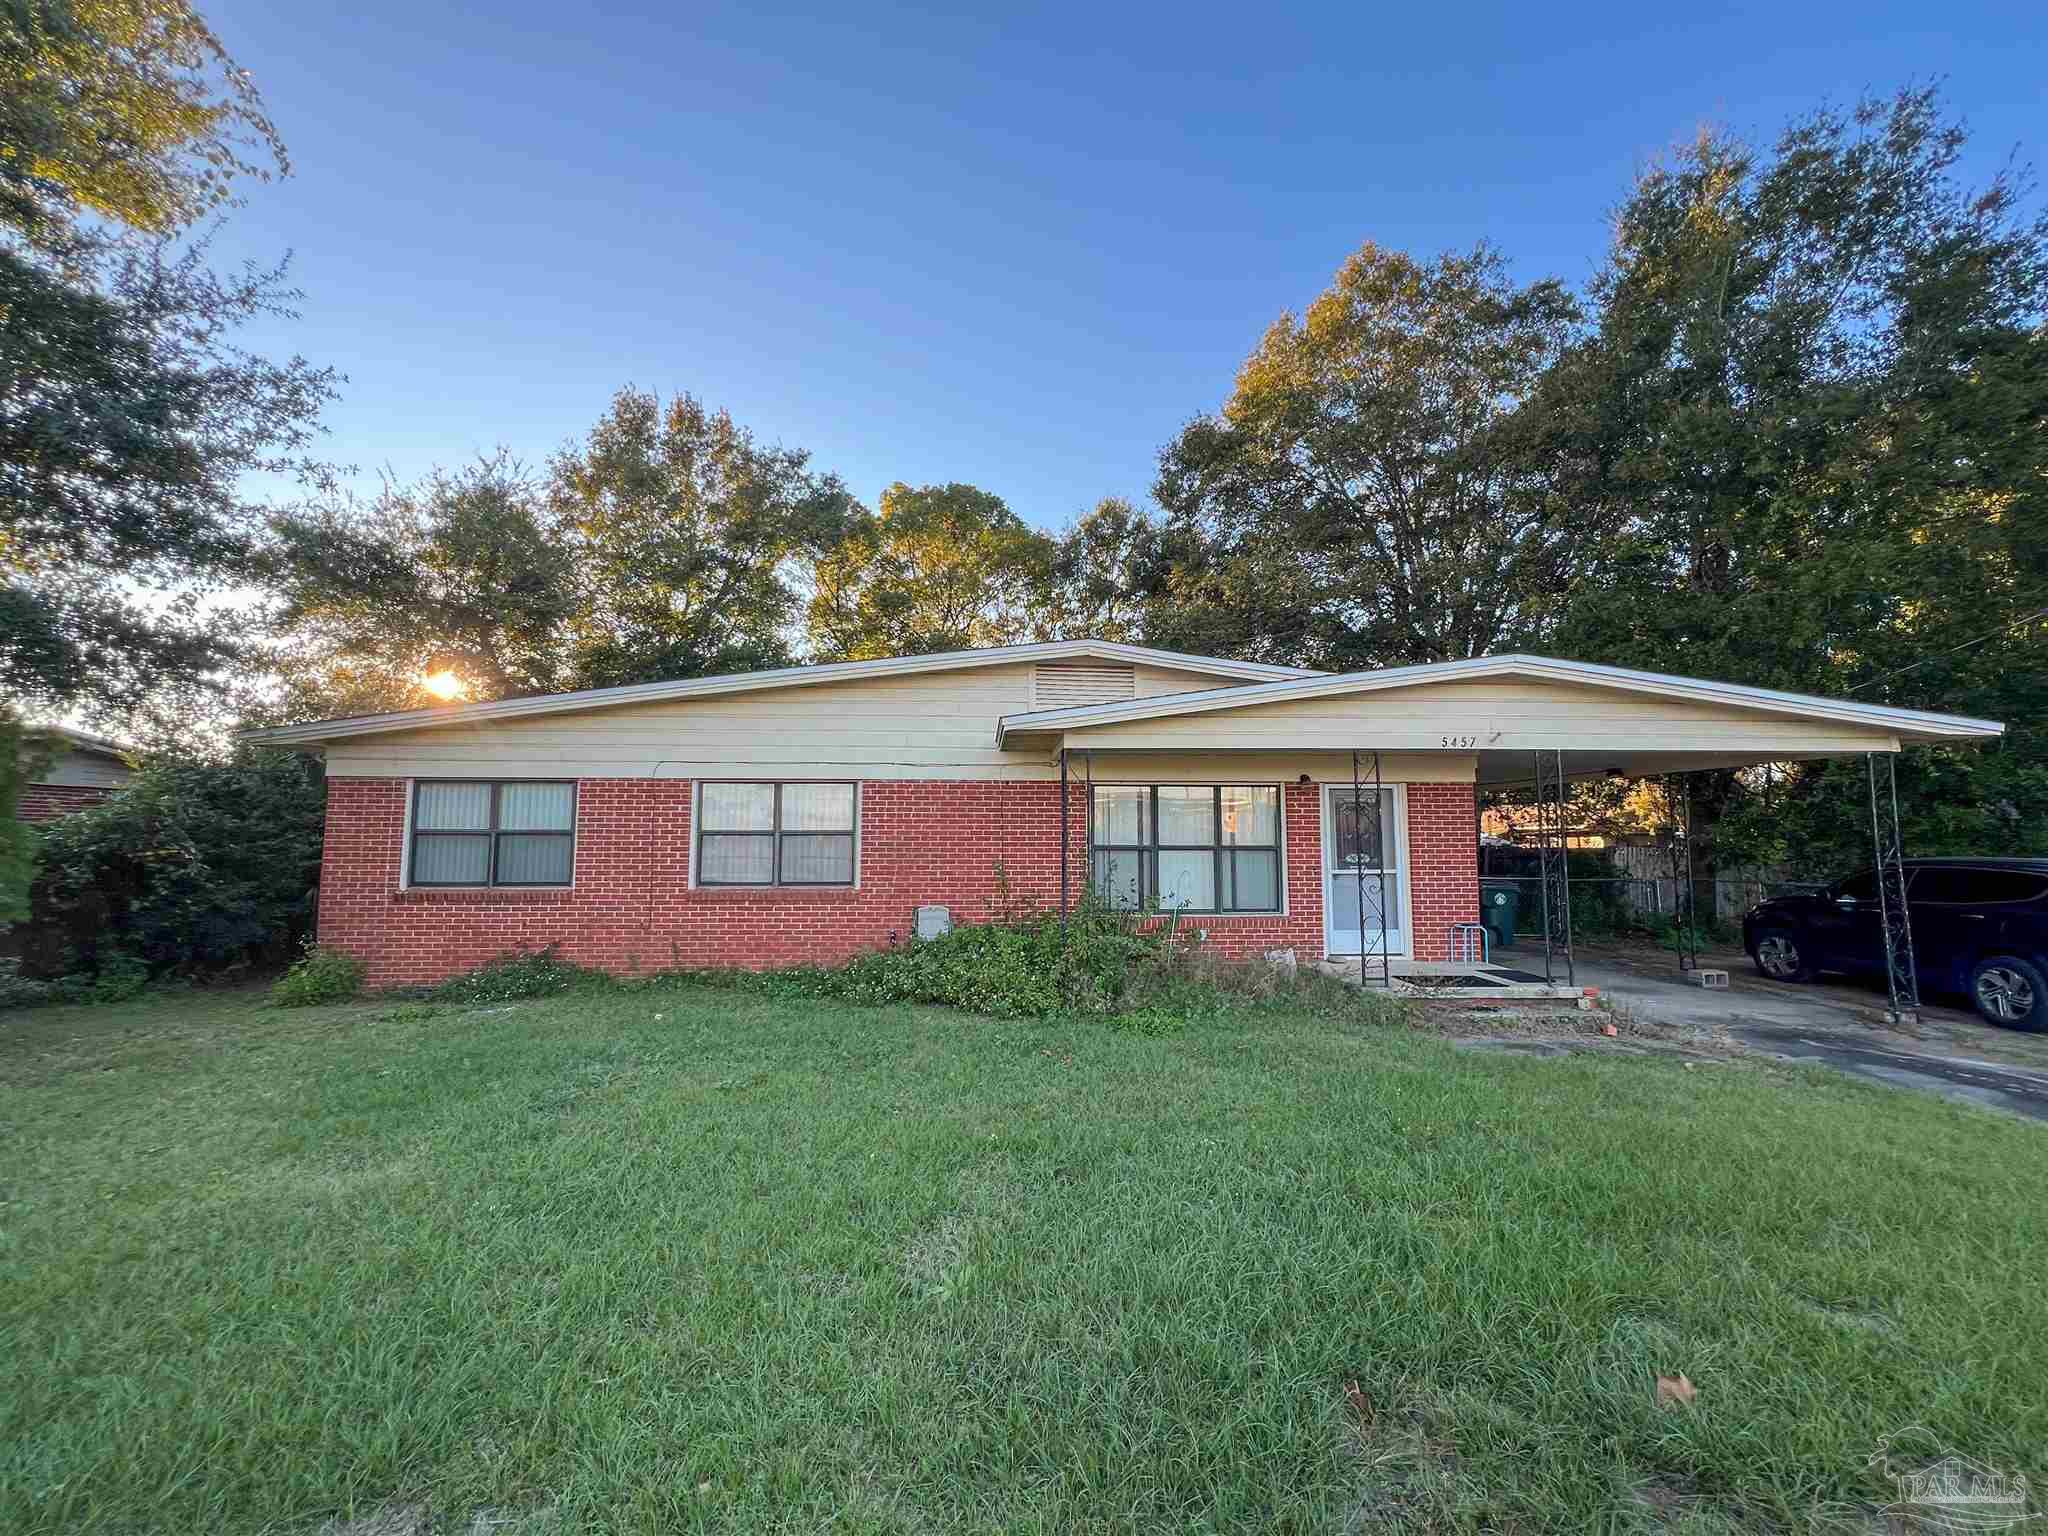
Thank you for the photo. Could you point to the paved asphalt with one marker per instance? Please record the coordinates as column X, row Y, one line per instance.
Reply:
column 1956, row 1077
column 1835, row 1025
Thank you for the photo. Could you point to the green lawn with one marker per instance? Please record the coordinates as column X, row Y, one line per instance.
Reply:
column 688, row 1260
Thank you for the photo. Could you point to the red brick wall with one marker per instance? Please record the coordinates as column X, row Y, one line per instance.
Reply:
column 921, row 841
column 1443, row 864
column 46, row 802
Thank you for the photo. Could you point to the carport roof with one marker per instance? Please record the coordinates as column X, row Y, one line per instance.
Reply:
column 1894, row 725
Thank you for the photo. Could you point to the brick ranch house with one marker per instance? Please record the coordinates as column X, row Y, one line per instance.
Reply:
column 80, row 771
column 804, row 814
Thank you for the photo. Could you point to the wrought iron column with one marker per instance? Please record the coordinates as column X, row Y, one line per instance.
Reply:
column 1901, row 975
column 1686, row 908
column 1063, row 845
column 1553, row 853
column 1357, row 856
column 1380, row 837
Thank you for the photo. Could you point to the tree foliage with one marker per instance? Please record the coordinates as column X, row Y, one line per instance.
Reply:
column 667, row 543
column 937, row 568
column 128, row 109
column 126, row 423
column 22, row 757
column 1370, row 494
column 128, row 417
column 689, row 539
column 1813, row 409
column 194, row 867
column 1108, row 571
column 462, row 574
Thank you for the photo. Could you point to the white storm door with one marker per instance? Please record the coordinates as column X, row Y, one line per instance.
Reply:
column 1362, row 872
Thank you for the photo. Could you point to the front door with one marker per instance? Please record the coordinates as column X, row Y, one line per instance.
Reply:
column 1362, row 867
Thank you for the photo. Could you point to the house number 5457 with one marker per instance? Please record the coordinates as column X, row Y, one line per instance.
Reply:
column 1459, row 741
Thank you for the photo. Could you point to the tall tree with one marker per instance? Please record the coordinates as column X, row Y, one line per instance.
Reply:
column 666, row 543
column 690, row 539
column 457, row 587
column 1106, row 570
column 1816, row 406
column 937, row 568
column 1370, row 493
column 127, row 416
column 128, row 109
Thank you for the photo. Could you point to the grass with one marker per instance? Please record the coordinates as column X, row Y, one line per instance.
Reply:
column 681, row 1259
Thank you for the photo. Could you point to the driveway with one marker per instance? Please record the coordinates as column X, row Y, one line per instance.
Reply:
column 1840, row 1024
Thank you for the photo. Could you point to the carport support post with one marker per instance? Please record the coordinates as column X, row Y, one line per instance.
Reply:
column 1902, row 976
column 1554, row 851
column 1063, row 847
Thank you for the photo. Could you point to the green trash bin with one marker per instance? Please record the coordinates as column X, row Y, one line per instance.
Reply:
column 1498, row 905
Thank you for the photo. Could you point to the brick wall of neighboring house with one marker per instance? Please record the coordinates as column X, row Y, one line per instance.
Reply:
column 46, row 802
column 925, row 841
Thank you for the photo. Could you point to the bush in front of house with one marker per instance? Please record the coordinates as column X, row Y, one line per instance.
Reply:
column 321, row 975
column 1136, row 971
column 514, row 978
column 193, row 869
column 1020, row 966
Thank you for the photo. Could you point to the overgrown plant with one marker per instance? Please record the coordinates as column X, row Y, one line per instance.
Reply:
column 321, row 975
column 194, row 868
column 1135, row 970
column 513, row 978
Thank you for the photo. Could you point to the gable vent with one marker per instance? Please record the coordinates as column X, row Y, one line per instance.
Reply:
column 1057, row 686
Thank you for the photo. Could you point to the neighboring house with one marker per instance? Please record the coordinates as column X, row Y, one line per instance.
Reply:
column 82, row 771
column 804, row 814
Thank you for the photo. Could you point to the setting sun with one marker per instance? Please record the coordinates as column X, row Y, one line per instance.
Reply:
column 444, row 685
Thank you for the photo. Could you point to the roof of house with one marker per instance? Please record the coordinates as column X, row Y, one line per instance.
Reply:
column 1915, row 724
column 780, row 677
column 83, row 741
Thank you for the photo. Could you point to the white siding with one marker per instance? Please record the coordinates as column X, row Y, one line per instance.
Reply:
column 86, row 770
column 1153, row 681
column 1271, row 767
column 1490, row 715
column 931, row 725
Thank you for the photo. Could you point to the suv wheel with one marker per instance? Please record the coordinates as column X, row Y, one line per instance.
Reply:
column 1777, row 956
column 2009, row 991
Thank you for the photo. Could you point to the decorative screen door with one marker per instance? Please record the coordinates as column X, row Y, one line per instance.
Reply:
column 1361, row 839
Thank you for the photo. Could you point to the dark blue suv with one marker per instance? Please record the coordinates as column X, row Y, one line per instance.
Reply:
column 1980, row 926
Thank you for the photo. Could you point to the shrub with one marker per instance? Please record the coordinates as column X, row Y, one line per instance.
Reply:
column 321, row 976
column 510, row 978
column 1135, row 971
column 19, row 991
column 119, row 978
column 193, row 867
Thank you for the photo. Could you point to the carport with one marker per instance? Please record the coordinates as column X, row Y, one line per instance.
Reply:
column 1499, row 722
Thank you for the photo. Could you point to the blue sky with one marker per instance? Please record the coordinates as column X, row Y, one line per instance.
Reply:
column 1016, row 250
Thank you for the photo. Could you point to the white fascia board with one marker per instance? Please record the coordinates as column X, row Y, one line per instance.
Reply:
column 748, row 682
column 1541, row 668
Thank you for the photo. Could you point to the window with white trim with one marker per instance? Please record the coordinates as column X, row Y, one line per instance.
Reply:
column 775, row 834
column 1197, row 847
column 492, row 832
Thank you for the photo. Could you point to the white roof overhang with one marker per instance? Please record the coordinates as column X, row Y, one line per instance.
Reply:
column 1368, row 714
column 319, row 731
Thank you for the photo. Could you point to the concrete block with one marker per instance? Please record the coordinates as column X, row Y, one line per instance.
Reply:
column 1711, row 979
